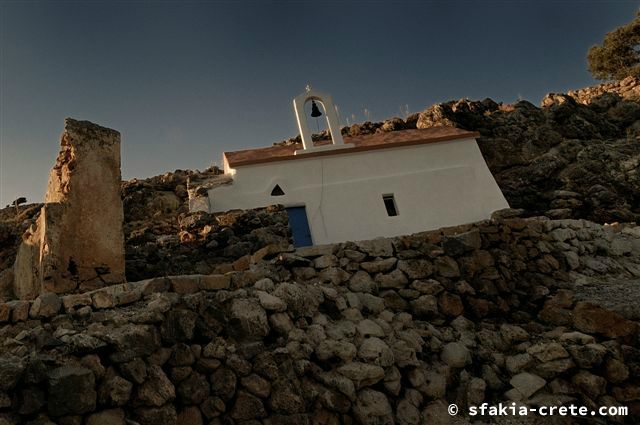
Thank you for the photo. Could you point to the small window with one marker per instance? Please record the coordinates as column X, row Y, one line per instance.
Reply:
column 277, row 191
column 390, row 205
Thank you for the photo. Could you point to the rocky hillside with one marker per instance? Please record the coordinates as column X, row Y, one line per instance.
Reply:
column 163, row 238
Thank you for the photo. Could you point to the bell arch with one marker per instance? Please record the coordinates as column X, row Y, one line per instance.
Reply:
column 303, row 125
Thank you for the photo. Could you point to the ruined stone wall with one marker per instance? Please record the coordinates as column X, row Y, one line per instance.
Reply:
column 377, row 332
column 77, row 242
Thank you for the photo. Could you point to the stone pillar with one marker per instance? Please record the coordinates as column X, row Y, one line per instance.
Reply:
column 77, row 243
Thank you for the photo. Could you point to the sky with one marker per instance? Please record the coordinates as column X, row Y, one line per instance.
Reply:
column 185, row 81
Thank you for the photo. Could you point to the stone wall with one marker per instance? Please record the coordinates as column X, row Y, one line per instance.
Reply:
column 377, row 332
column 77, row 242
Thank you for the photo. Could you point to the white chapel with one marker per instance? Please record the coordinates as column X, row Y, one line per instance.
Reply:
column 362, row 187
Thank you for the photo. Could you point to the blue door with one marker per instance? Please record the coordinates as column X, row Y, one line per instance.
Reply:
column 299, row 225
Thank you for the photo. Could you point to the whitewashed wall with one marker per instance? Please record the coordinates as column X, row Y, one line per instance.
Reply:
column 434, row 185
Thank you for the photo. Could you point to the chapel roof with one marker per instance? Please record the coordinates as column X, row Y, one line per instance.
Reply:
column 360, row 143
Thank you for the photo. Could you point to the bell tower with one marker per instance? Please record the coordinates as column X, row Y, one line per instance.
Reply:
column 332, row 121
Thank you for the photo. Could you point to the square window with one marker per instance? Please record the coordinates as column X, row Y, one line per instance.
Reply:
column 390, row 205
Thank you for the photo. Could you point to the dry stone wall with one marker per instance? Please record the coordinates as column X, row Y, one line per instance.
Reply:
column 387, row 331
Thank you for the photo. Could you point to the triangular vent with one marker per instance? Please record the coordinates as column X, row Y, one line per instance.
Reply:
column 277, row 191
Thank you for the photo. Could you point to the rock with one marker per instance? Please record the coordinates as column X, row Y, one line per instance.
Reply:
column 545, row 352
column 300, row 300
column 82, row 199
column 426, row 305
column 250, row 316
column 190, row 416
column 214, row 282
column 435, row 384
column 590, row 318
column 416, row 269
column 379, row 266
column 427, row 287
column 47, row 304
column 157, row 415
column 372, row 408
column 376, row 351
column 329, row 349
column 247, row 406
column 376, row 247
column 193, row 390
column 71, row 391
column 476, row 391
column 11, row 369
column 270, row 302
column 627, row 393
column 325, row 261
column 107, row 417
column 512, row 334
column 519, row 362
column 527, row 384
column 553, row 368
column 456, row 355
column 256, row 385
column 132, row 341
column 178, row 326
column 450, row 304
column 135, row 370
column 156, row 390
column 360, row 281
column 592, row 385
column 589, row 355
column 577, row 337
column 114, row 391
column 281, row 323
column 223, row 383
column 362, row 374
column 407, row 413
column 367, row 328
column 372, row 304
column 395, row 279
column 616, row 371
column 462, row 242
column 285, row 399
column 446, row 267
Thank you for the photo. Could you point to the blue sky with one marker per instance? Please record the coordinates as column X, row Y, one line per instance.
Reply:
column 185, row 81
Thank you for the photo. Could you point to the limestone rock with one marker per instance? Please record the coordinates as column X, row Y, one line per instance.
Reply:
column 372, row 408
column 251, row 317
column 270, row 302
column 46, row 305
column 527, row 384
column 547, row 352
column 362, row 374
column 156, row 390
column 78, row 240
column 456, row 355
